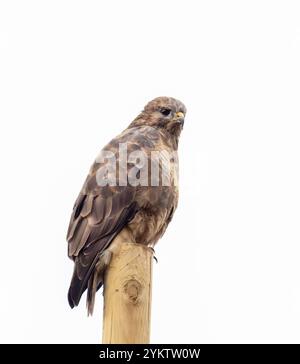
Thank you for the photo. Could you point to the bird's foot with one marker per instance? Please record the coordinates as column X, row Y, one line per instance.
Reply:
column 154, row 257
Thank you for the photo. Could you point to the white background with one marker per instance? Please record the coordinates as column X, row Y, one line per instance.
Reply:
column 73, row 74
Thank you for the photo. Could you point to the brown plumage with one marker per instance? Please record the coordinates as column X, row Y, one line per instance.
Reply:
column 144, row 209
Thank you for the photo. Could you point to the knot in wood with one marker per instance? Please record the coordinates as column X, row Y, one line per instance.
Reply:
column 133, row 289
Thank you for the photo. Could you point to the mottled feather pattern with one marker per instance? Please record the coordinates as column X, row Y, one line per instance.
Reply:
column 101, row 212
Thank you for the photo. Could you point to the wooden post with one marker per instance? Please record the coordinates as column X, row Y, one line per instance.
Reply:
column 127, row 295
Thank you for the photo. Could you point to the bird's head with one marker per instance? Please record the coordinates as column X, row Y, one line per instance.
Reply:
column 163, row 112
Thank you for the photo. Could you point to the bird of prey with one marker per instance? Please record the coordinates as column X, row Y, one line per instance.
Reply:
column 124, row 194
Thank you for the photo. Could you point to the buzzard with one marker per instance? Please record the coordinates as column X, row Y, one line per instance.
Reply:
column 131, row 189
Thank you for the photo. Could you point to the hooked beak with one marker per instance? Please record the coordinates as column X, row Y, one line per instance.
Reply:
column 179, row 118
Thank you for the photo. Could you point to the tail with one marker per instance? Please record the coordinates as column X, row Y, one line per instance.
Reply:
column 79, row 285
column 88, row 273
column 97, row 279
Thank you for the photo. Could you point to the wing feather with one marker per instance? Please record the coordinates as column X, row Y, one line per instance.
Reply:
column 98, row 215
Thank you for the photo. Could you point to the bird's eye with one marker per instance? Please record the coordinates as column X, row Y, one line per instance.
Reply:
column 165, row 111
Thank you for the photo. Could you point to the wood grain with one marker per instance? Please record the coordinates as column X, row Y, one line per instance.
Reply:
column 127, row 296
